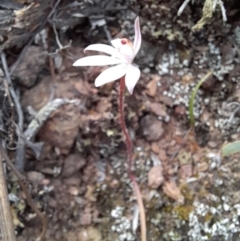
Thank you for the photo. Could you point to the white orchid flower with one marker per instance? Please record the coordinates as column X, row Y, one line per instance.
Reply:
column 122, row 54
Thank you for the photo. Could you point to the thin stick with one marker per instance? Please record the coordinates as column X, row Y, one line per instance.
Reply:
column 6, row 221
column 20, row 150
column 129, row 153
column 180, row 10
column 12, row 92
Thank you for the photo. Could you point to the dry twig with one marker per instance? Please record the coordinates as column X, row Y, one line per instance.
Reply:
column 6, row 221
column 43, row 114
column 20, row 149
column 23, row 183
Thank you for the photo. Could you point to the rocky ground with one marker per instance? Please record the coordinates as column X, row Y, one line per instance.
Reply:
column 80, row 181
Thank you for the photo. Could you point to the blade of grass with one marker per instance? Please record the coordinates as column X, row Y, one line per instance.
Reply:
column 193, row 95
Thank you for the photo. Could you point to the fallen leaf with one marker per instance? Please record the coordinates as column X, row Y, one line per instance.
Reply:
column 171, row 189
column 155, row 177
column 86, row 219
column 162, row 155
column 155, row 147
column 186, row 171
column 35, row 177
column 89, row 195
column 89, row 233
column 103, row 105
column 158, row 109
column 152, row 86
column 187, row 79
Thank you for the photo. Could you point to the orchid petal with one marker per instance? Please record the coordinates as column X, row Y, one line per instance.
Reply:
column 116, row 43
column 111, row 74
column 125, row 50
column 97, row 60
column 132, row 77
column 105, row 49
column 138, row 38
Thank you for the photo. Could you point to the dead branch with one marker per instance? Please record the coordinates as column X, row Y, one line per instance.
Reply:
column 43, row 114
column 6, row 221
column 12, row 92
column 23, row 183
column 20, row 149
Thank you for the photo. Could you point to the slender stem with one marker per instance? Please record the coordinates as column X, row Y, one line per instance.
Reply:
column 123, row 125
column 129, row 153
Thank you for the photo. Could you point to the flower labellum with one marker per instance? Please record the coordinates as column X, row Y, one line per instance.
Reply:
column 122, row 54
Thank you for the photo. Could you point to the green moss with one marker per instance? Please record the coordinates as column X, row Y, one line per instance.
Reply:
column 187, row 193
column 183, row 211
column 208, row 217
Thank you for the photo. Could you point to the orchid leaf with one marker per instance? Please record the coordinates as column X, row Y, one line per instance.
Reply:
column 230, row 148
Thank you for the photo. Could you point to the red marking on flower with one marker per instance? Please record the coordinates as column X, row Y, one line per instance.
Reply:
column 123, row 41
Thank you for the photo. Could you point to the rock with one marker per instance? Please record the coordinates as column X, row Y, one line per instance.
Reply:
column 186, row 171
column 209, row 83
column 89, row 234
column 152, row 128
column 28, row 69
column 187, row 79
column 71, row 236
column 158, row 109
column 155, row 177
column 35, row 177
column 73, row 191
column 180, row 109
column 75, row 181
column 61, row 128
column 72, row 164
column 52, row 202
column 162, row 154
column 212, row 144
column 166, row 100
column 154, row 147
column 86, row 219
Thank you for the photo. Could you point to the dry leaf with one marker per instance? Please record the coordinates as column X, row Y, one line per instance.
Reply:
column 155, row 177
column 89, row 195
column 158, row 109
column 172, row 190
column 186, row 171
column 152, row 86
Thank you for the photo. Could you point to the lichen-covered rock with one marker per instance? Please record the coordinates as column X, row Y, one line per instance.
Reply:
column 30, row 66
